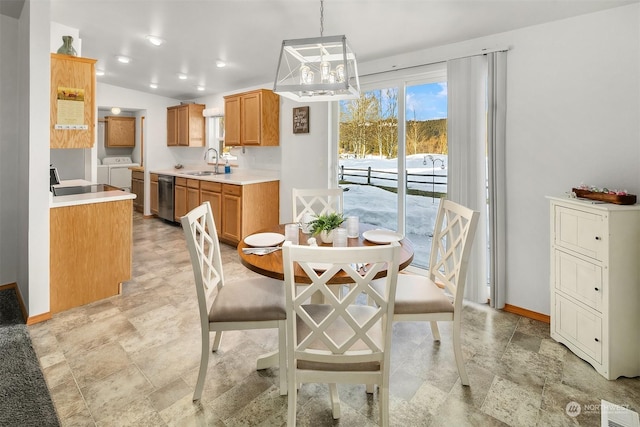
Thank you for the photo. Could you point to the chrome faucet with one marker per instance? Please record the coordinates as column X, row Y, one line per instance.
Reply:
column 206, row 153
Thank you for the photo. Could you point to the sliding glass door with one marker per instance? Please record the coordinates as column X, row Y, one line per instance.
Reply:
column 392, row 152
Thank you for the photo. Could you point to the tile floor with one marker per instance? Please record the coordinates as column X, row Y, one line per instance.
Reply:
column 133, row 360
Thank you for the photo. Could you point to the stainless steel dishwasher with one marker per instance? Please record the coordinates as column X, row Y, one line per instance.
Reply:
column 165, row 197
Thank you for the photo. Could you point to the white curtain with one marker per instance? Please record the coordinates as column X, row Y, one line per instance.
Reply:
column 496, row 147
column 467, row 130
column 476, row 136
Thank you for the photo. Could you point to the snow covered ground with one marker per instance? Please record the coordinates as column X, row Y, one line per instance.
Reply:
column 379, row 207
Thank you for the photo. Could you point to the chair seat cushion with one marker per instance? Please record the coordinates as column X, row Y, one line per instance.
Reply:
column 258, row 299
column 339, row 332
column 417, row 294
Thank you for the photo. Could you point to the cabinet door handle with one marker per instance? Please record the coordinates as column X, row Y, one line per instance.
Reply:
column 597, row 237
column 597, row 289
column 597, row 340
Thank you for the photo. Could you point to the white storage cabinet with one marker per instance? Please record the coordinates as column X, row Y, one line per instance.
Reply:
column 595, row 283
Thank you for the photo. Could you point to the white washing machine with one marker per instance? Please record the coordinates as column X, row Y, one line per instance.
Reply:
column 115, row 171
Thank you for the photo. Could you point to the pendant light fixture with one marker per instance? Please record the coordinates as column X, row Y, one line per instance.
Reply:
column 317, row 69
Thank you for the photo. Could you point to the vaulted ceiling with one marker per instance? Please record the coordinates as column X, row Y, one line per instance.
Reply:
column 247, row 34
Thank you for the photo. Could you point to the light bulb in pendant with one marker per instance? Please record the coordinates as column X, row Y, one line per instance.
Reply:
column 304, row 74
column 340, row 73
column 332, row 77
column 325, row 67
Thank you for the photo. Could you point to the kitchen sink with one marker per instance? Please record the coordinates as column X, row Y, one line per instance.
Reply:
column 201, row 173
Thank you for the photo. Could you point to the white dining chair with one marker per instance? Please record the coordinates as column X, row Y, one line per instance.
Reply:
column 339, row 340
column 254, row 303
column 423, row 298
column 315, row 201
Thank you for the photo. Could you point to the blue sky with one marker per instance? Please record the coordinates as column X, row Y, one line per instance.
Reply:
column 429, row 101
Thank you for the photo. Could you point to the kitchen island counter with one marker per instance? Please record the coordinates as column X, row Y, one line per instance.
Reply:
column 90, row 243
column 86, row 198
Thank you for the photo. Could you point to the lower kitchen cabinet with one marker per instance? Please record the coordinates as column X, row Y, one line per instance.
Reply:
column 179, row 198
column 193, row 194
column 240, row 210
column 153, row 190
column 137, row 188
column 212, row 192
column 90, row 265
column 232, row 213
column 186, row 196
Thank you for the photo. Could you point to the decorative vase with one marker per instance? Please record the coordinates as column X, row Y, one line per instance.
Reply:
column 67, row 46
column 326, row 236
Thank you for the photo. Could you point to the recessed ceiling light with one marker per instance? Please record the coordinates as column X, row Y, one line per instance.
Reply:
column 182, row 76
column 200, row 88
column 123, row 59
column 220, row 63
column 155, row 40
column 99, row 72
column 153, row 85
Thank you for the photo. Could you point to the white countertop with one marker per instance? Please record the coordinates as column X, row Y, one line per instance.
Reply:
column 236, row 177
column 86, row 198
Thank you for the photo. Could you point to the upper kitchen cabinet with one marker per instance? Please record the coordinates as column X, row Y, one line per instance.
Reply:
column 185, row 125
column 73, row 102
column 120, row 131
column 252, row 118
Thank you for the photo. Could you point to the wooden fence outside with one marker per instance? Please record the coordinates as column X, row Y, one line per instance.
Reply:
column 369, row 174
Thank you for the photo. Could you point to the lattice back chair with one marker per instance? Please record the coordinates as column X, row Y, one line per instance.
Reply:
column 419, row 298
column 316, row 202
column 254, row 303
column 339, row 340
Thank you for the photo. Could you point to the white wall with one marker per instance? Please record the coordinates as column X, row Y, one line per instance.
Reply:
column 9, row 149
column 33, row 156
column 572, row 116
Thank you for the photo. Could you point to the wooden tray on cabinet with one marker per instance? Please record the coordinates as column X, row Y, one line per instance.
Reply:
column 629, row 199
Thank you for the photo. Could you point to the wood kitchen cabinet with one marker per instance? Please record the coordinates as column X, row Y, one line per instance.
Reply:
column 137, row 188
column 193, row 194
column 231, row 213
column 595, row 283
column 120, row 131
column 153, row 193
column 185, row 125
column 252, row 118
column 186, row 196
column 91, row 249
column 179, row 198
column 239, row 210
column 73, row 102
column 212, row 192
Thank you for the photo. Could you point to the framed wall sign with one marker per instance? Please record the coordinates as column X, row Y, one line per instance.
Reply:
column 301, row 120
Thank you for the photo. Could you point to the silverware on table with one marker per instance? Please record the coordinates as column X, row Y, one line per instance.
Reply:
column 261, row 251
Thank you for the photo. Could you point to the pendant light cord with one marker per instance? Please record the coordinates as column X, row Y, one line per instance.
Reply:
column 321, row 17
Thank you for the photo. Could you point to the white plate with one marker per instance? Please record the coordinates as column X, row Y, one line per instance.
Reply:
column 382, row 236
column 264, row 239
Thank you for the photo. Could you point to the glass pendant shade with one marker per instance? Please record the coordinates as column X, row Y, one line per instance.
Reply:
column 317, row 69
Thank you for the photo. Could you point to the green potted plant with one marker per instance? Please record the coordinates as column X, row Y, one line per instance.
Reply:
column 325, row 224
